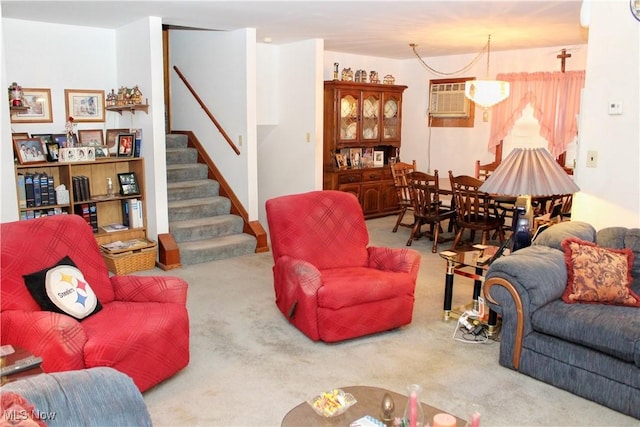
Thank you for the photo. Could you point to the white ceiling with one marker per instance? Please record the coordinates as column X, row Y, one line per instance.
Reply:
column 382, row 28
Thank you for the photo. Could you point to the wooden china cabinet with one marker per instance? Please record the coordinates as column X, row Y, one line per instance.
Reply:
column 362, row 124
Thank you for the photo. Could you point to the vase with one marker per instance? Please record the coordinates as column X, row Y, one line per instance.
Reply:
column 413, row 413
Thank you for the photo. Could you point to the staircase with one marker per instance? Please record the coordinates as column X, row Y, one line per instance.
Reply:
column 199, row 218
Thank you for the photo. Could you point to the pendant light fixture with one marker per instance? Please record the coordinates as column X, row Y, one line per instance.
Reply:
column 486, row 93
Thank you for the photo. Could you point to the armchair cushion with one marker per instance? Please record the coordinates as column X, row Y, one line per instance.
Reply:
column 62, row 288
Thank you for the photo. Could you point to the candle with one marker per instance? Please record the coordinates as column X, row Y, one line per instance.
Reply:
column 413, row 411
column 444, row 420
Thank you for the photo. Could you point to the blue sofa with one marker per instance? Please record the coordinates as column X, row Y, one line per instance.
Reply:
column 88, row 397
column 591, row 350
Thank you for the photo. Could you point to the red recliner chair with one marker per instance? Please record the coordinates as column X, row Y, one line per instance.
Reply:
column 142, row 329
column 327, row 282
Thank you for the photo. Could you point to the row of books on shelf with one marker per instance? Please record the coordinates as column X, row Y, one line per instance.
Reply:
column 33, row 214
column 81, row 188
column 131, row 216
column 36, row 189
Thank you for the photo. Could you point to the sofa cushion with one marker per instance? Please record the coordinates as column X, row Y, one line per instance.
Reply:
column 554, row 235
column 619, row 238
column 62, row 288
column 598, row 275
column 613, row 330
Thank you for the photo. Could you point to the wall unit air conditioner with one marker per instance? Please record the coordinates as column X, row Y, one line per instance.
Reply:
column 448, row 100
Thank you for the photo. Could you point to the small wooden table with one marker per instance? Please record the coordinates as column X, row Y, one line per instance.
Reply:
column 20, row 353
column 369, row 400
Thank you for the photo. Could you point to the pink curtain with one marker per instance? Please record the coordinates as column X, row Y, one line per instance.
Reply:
column 555, row 98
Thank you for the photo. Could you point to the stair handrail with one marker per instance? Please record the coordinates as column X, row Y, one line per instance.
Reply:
column 206, row 110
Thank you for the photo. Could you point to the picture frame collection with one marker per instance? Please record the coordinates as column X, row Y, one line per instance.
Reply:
column 359, row 158
column 84, row 106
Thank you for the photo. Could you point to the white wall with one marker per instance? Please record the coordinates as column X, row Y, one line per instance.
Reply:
column 139, row 59
column 59, row 57
column 290, row 153
column 610, row 192
column 216, row 65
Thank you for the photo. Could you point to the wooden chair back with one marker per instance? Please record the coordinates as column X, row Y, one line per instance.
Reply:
column 427, row 207
column 475, row 209
column 399, row 171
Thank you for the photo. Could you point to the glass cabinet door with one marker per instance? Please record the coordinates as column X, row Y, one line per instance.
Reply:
column 349, row 110
column 371, row 116
column 391, row 117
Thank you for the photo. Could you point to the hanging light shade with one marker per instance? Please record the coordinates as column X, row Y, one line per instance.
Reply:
column 486, row 93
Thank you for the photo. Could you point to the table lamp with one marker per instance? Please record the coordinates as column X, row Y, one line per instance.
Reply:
column 526, row 173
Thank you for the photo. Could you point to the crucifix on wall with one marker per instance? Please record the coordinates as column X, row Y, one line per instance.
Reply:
column 563, row 57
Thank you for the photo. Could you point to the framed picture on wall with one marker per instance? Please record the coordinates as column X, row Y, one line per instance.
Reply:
column 84, row 105
column 38, row 102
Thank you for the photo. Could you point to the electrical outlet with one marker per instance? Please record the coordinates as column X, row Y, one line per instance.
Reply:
column 592, row 159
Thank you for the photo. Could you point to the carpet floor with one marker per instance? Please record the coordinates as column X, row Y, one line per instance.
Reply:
column 249, row 366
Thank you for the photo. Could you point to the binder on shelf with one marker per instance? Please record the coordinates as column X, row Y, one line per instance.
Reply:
column 44, row 189
column 28, row 185
column 77, row 194
column 36, row 190
column 22, row 193
column 86, row 189
column 93, row 217
column 134, row 213
column 52, row 190
column 83, row 210
column 125, row 213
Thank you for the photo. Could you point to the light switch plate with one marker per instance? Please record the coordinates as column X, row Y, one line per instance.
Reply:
column 615, row 108
column 592, row 159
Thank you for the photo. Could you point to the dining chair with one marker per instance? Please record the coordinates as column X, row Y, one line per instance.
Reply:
column 427, row 207
column 483, row 171
column 399, row 171
column 475, row 210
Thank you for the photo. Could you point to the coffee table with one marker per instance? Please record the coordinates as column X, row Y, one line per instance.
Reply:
column 20, row 353
column 369, row 403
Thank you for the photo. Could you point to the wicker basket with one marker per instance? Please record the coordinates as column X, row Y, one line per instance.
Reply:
column 130, row 261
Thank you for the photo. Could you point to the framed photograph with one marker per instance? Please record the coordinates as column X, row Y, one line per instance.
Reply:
column 111, row 139
column 91, row 137
column 125, row 143
column 45, row 137
column 30, row 150
column 355, row 154
column 17, row 136
column 52, row 151
column 378, row 158
column 128, row 184
column 84, row 105
column 341, row 161
column 102, row 152
column 38, row 102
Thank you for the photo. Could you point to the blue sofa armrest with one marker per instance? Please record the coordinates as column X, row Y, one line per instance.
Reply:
column 88, row 397
column 516, row 286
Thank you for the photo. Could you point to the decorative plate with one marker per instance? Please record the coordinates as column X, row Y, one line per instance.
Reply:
column 390, row 109
column 351, row 131
column 332, row 403
column 370, row 109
